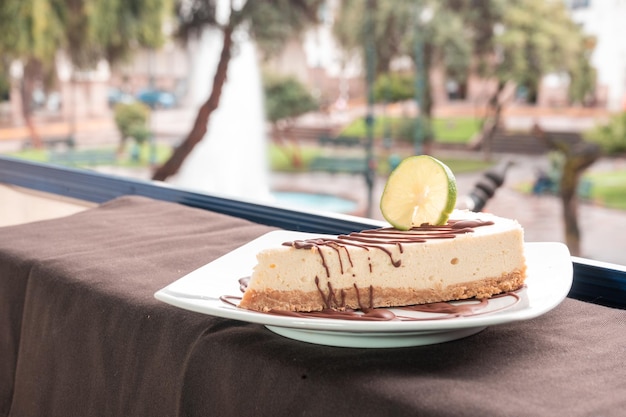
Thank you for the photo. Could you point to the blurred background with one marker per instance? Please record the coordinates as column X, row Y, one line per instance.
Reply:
column 311, row 103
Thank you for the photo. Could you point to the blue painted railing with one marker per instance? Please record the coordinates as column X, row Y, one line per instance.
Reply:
column 98, row 188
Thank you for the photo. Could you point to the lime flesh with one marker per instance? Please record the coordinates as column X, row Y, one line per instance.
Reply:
column 421, row 190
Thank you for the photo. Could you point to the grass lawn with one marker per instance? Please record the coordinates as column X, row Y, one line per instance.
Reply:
column 455, row 130
column 446, row 130
column 280, row 157
column 280, row 160
column 608, row 188
column 162, row 153
column 460, row 166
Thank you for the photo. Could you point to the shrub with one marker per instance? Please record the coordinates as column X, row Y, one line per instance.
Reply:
column 611, row 136
column 394, row 87
column 405, row 128
column 286, row 97
column 131, row 120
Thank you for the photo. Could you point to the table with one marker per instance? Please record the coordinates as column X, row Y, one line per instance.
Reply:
column 82, row 335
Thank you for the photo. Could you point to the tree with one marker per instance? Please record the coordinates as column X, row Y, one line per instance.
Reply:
column 285, row 99
column 35, row 31
column 400, row 31
column 584, row 75
column 518, row 42
column 508, row 42
column 577, row 158
column 270, row 23
column 32, row 35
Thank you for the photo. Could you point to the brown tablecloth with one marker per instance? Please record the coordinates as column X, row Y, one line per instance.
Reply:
column 82, row 335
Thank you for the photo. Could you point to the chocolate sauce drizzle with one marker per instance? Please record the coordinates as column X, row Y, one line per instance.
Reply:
column 382, row 238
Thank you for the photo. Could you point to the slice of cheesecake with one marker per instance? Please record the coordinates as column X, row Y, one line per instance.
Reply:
column 473, row 255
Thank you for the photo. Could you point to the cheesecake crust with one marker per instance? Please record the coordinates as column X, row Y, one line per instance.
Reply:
column 372, row 297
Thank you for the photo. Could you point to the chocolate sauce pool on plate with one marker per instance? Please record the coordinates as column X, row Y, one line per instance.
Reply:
column 440, row 311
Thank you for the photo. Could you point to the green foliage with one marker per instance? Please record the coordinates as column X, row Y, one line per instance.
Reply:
column 87, row 30
column 115, row 28
column 611, row 136
column 451, row 42
column 537, row 37
column 131, row 120
column 516, row 41
column 286, row 97
column 280, row 161
column 394, row 87
column 270, row 23
column 397, row 30
column 273, row 23
column 30, row 28
column 391, row 25
column 582, row 74
column 4, row 85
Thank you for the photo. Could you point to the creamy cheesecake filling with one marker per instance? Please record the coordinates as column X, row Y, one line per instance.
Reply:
column 474, row 255
column 374, row 297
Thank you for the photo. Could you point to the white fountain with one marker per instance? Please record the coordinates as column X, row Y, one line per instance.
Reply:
column 231, row 160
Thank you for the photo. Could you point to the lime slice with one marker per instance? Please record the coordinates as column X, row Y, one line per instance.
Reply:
column 420, row 190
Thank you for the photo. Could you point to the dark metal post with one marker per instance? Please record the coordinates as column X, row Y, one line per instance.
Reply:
column 370, row 169
column 418, row 44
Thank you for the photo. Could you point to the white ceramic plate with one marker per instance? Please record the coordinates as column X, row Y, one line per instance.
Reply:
column 548, row 283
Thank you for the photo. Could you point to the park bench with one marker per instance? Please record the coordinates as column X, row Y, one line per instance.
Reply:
column 53, row 142
column 335, row 164
column 548, row 182
column 345, row 141
column 338, row 160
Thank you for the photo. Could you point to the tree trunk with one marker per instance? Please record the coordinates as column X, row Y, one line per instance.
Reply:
column 578, row 157
column 31, row 70
column 492, row 121
column 427, row 145
column 569, row 201
column 200, row 126
column 296, row 155
column 288, row 145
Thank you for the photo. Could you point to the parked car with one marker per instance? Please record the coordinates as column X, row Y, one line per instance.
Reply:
column 115, row 95
column 156, row 98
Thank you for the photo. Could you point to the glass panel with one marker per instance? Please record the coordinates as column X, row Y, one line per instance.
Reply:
column 309, row 107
